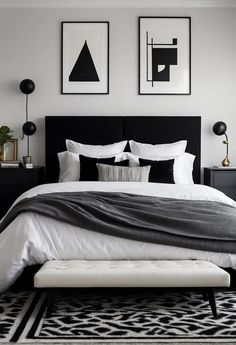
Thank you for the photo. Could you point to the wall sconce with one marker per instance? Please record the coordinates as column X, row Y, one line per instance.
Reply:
column 27, row 86
column 220, row 128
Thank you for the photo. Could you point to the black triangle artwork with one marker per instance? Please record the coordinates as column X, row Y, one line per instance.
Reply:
column 84, row 68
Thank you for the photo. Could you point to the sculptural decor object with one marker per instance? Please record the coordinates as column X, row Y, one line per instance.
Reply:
column 27, row 86
column 220, row 128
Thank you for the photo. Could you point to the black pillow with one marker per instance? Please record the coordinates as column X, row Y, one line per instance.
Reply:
column 88, row 167
column 161, row 171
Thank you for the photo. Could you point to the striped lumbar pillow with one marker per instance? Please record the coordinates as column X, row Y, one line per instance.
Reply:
column 119, row 173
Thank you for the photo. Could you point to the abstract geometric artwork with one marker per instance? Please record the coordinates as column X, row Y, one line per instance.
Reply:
column 164, row 55
column 84, row 69
column 85, row 58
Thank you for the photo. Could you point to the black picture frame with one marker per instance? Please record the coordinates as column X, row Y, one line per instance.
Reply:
column 167, row 41
column 85, row 57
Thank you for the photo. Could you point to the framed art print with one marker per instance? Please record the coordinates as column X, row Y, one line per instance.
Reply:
column 10, row 150
column 164, row 55
column 85, row 58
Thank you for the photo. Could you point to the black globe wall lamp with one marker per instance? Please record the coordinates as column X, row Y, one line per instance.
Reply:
column 27, row 86
column 220, row 128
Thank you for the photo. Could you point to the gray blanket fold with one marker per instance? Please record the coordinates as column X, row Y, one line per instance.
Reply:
column 203, row 225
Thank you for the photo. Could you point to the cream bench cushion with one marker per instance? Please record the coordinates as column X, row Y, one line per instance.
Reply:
column 124, row 273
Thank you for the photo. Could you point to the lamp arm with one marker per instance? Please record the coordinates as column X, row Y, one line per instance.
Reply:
column 28, row 145
column 27, row 119
column 227, row 144
column 26, row 108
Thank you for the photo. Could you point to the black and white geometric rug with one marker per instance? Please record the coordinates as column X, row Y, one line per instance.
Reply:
column 117, row 316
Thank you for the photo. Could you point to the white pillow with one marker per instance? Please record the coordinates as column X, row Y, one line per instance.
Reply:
column 183, row 169
column 133, row 159
column 69, row 165
column 166, row 150
column 96, row 151
column 183, row 165
column 119, row 173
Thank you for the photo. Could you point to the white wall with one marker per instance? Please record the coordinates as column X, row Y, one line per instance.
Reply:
column 30, row 48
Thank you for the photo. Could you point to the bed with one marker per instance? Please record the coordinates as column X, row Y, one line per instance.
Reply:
column 33, row 238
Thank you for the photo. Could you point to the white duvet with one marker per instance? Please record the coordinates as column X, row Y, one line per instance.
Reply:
column 31, row 239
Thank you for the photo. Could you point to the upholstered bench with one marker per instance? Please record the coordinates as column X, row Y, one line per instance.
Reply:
column 156, row 273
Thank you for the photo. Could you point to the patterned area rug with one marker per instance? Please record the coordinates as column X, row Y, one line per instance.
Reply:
column 117, row 316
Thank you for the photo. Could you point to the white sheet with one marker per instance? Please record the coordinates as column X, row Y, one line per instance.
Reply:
column 32, row 239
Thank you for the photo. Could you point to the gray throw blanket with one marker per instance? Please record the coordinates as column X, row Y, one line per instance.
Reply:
column 203, row 225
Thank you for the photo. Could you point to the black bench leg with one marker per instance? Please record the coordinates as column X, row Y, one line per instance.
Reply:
column 211, row 299
column 50, row 299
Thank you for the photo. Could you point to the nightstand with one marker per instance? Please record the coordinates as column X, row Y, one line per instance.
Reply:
column 15, row 181
column 223, row 179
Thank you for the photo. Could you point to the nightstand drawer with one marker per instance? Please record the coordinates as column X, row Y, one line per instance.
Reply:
column 15, row 189
column 14, row 182
column 19, row 176
column 224, row 178
column 230, row 192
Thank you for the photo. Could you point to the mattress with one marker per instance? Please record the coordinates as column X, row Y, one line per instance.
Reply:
column 33, row 239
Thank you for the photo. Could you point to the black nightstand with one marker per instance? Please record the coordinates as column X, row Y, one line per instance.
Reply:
column 15, row 181
column 223, row 179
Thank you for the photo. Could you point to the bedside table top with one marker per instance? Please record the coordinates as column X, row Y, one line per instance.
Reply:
column 215, row 168
column 36, row 167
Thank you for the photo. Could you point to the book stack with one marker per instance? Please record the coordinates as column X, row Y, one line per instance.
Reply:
column 28, row 165
column 10, row 164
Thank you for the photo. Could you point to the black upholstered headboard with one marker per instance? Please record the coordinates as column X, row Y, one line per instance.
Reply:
column 108, row 129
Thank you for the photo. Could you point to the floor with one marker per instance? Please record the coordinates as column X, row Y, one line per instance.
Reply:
column 233, row 277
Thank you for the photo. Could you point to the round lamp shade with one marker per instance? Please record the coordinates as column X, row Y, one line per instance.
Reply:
column 29, row 128
column 27, row 86
column 219, row 128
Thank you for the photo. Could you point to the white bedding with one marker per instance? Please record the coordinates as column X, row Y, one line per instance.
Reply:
column 32, row 239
